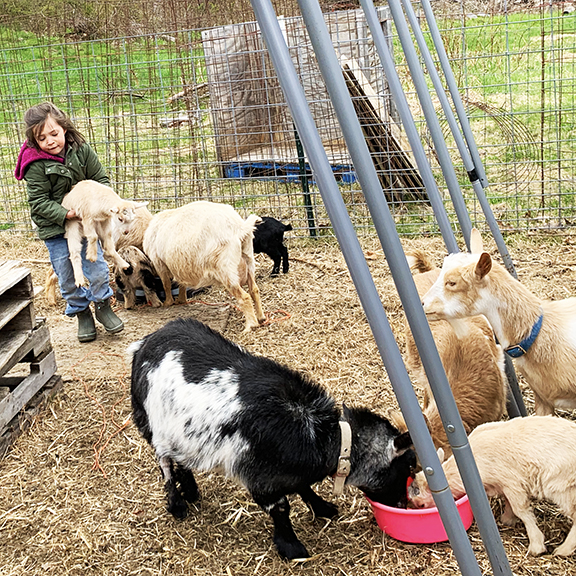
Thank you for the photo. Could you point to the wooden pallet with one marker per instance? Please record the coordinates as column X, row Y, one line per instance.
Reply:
column 23, row 339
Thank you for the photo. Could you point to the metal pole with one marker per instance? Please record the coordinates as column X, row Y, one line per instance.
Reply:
column 364, row 283
column 475, row 170
column 515, row 404
column 431, row 119
column 385, row 228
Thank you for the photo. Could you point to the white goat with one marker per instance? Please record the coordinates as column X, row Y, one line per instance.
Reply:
column 203, row 243
column 473, row 361
column 96, row 205
column 523, row 459
column 539, row 334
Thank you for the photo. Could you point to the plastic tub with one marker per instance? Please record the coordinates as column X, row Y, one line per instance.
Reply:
column 418, row 526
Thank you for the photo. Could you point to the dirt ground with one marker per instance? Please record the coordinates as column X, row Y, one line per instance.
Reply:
column 81, row 494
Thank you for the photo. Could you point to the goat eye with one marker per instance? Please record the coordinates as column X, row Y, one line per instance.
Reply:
column 450, row 283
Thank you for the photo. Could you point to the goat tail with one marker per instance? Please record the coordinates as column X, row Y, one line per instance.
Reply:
column 419, row 261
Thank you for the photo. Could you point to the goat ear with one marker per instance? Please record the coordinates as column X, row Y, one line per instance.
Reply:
column 484, row 265
column 140, row 204
column 403, row 442
column 476, row 244
column 441, row 454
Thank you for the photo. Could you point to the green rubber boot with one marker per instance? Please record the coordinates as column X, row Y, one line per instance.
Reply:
column 86, row 326
column 105, row 315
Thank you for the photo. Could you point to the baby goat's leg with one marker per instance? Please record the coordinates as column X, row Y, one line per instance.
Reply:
column 285, row 538
column 520, row 505
column 318, row 505
column 568, row 507
column 176, row 504
column 110, row 251
column 74, row 238
column 92, row 237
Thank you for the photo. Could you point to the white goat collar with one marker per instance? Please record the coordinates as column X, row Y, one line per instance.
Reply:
column 344, row 459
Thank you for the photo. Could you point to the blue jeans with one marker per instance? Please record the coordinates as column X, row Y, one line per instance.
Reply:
column 97, row 273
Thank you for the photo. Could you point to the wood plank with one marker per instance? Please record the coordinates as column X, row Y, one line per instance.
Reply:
column 11, row 272
column 14, row 346
column 17, row 315
column 40, row 373
column 23, row 420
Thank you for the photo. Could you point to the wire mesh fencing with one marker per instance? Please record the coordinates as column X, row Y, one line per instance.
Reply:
column 183, row 114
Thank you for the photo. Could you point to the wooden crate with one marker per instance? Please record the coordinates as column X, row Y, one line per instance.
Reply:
column 23, row 339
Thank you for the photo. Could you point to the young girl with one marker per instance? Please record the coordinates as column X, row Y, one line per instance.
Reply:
column 54, row 158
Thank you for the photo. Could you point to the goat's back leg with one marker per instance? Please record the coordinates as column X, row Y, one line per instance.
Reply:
column 74, row 238
column 175, row 503
column 245, row 304
column 166, row 278
column 318, row 505
column 285, row 538
column 92, row 238
column 520, row 505
column 255, row 295
column 569, row 545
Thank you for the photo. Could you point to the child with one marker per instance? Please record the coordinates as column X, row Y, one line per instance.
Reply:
column 54, row 158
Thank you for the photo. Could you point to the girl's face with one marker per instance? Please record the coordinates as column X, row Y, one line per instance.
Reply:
column 51, row 139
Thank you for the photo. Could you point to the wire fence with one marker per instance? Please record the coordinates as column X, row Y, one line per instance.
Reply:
column 180, row 114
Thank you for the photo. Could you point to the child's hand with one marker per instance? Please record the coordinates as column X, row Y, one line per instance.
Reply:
column 72, row 214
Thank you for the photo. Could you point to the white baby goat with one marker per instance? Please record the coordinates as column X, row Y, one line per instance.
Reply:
column 539, row 334
column 96, row 205
column 523, row 459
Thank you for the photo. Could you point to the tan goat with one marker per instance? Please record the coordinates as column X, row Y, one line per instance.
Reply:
column 473, row 362
column 539, row 334
column 204, row 243
column 523, row 459
column 96, row 205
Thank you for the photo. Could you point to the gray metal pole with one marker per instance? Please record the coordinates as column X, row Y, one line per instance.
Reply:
column 475, row 171
column 453, row 88
column 385, row 227
column 431, row 119
column 515, row 404
column 364, row 284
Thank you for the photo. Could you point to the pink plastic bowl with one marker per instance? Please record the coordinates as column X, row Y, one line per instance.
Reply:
column 422, row 526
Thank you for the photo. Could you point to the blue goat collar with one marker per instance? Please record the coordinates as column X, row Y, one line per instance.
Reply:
column 523, row 347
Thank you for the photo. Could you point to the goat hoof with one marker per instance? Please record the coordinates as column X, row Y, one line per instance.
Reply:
column 291, row 550
column 178, row 509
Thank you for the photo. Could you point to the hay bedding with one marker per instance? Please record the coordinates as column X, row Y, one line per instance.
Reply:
column 81, row 494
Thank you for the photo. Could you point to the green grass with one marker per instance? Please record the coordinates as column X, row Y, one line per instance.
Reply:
column 519, row 73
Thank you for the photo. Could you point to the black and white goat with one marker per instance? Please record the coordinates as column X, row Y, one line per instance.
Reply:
column 269, row 238
column 205, row 403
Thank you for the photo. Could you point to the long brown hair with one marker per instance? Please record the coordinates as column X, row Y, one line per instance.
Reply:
column 36, row 116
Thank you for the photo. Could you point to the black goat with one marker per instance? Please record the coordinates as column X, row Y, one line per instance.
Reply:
column 269, row 238
column 205, row 403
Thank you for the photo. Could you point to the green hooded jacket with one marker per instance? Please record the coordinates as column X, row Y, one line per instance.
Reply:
column 48, row 181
